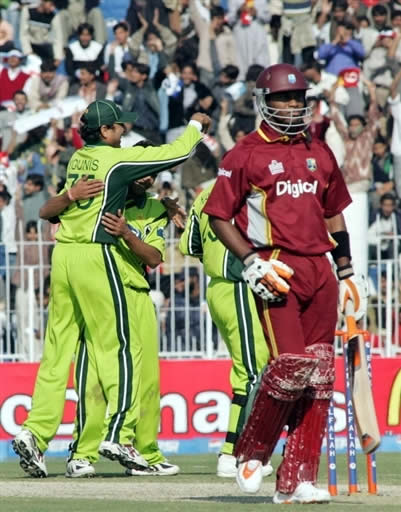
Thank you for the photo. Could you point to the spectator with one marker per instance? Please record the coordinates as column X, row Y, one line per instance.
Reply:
column 88, row 88
column 382, row 173
column 47, row 88
column 343, row 52
column 8, row 247
column 6, row 35
column 381, row 65
column 115, row 51
column 320, row 123
column 380, row 17
column 34, row 197
column 18, row 108
column 83, row 51
column 366, row 33
column 320, row 80
column 216, row 42
column 331, row 14
column 12, row 78
column 395, row 109
column 247, row 20
column 168, row 9
column 73, row 13
column 386, row 225
column 296, row 35
column 228, row 86
column 233, row 127
column 358, row 138
column 41, row 31
column 244, row 106
column 183, row 93
column 139, row 96
column 396, row 20
column 153, row 45
column 32, row 255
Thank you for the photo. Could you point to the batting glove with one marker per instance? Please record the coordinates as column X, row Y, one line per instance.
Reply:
column 354, row 288
column 265, row 278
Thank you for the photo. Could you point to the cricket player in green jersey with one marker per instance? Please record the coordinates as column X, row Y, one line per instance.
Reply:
column 141, row 243
column 90, row 295
column 233, row 310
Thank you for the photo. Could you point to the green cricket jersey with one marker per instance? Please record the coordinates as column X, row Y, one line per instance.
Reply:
column 147, row 221
column 117, row 167
column 199, row 240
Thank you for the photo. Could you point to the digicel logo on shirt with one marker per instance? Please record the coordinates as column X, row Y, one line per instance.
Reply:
column 296, row 189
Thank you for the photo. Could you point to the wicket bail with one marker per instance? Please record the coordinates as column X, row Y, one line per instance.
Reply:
column 353, row 486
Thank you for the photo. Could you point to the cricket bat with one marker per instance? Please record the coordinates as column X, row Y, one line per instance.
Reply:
column 361, row 390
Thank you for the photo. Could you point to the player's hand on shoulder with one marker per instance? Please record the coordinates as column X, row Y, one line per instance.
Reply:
column 115, row 225
column 268, row 279
column 203, row 119
column 85, row 188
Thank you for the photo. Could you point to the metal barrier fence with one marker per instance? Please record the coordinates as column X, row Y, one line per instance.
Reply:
column 179, row 293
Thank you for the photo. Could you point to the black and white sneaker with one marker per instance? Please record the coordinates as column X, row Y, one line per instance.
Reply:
column 79, row 468
column 161, row 468
column 32, row 460
column 126, row 455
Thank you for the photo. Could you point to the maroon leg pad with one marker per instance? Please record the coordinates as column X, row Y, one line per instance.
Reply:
column 283, row 382
column 307, row 424
column 302, row 451
column 322, row 379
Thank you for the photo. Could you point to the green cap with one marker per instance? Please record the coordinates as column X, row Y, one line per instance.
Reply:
column 102, row 112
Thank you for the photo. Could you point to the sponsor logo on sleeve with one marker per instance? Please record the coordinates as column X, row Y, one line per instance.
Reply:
column 224, row 172
column 295, row 189
column 276, row 167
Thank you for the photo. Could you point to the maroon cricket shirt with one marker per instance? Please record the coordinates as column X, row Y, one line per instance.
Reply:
column 279, row 189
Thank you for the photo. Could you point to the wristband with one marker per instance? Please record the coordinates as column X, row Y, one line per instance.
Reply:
column 69, row 195
column 342, row 250
column 345, row 271
column 250, row 256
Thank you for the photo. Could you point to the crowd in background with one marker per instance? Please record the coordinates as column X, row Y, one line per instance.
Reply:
column 170, row 58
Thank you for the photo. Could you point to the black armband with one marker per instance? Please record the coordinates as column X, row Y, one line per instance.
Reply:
column 342, row 250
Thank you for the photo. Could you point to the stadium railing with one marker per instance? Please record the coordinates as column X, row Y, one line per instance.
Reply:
column 178, row 290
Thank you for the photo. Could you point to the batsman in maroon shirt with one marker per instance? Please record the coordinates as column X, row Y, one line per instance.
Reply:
column 286, row 193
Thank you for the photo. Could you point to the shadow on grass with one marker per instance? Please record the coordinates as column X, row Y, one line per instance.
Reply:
column 255, row 500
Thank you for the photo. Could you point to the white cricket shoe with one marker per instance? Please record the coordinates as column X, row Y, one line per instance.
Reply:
column 305, row 492
column 227, row 466
column 249, row 476
column 32, row 460
column 164, row 468
column 126, row 455
column 79, row 468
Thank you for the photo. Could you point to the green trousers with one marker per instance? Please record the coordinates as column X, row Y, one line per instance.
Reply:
column 92, row 401
column 233, row 310
column 90, row 300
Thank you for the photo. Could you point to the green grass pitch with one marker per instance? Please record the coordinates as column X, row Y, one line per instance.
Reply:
column 196, row 489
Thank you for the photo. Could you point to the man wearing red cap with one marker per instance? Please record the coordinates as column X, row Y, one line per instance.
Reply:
column 286, row 193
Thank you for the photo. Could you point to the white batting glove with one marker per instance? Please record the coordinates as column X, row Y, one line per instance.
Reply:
column 354, row 288
column 265, row 278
